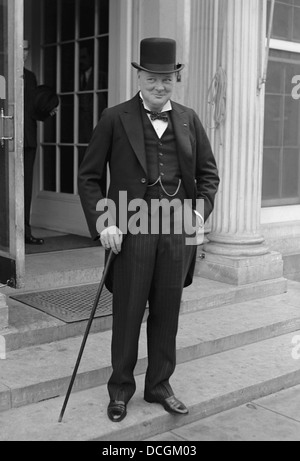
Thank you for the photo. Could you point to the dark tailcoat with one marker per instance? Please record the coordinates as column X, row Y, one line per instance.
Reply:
column 118, row 140
column 30, row 142
column 30, row 124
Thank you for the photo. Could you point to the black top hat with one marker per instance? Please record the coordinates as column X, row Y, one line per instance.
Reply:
column 45, row 100
column 158, row 55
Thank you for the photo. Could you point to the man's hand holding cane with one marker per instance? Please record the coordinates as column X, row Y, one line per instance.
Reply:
column 112, row 238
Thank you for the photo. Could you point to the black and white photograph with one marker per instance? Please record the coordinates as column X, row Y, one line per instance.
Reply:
column 149, row 223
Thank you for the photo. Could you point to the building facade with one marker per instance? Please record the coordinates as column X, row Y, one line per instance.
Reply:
column 242, row 85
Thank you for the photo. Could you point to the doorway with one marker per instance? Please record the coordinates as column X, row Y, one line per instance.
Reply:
column 70, row 54
column 11, row 126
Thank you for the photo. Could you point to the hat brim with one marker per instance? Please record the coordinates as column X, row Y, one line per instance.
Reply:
column 179, row 67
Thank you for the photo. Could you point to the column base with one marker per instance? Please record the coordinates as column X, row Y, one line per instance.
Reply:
column 236, row 245
column 240, row 270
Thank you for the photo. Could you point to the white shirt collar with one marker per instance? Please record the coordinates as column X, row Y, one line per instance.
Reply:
column 167, row 107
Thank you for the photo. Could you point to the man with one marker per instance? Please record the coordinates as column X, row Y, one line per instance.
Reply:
column 30, row 146
column 39, row 103
column 156, row 149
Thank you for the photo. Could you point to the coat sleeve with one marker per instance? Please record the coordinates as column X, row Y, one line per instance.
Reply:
column 207, row 177
column 92, row 172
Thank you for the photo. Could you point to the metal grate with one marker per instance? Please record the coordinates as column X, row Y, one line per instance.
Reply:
column 69, row 304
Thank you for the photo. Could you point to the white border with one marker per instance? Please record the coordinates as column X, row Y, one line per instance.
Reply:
column 284, row 45
column 281, row 214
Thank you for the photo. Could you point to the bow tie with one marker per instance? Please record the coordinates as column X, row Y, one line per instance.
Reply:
column 158, row 115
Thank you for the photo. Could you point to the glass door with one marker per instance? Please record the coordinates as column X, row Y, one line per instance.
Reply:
column 11, row 141
column 74, row 60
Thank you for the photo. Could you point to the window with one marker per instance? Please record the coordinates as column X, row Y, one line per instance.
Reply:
column 281, row 162
column 74, row 55
column 286, row 20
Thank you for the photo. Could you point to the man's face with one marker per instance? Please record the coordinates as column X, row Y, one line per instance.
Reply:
column 157, row 89
column 85, row 60
column 25, row 53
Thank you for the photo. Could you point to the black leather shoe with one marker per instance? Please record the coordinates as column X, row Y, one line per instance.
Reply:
column 116, row 410
column 34, row 241
column 171, row 404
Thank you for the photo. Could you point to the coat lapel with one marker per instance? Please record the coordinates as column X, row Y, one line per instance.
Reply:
column 181, row 123
column 132, row 122
column 133, row 125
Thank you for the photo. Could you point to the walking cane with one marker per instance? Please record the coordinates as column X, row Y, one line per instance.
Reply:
column 101, row 285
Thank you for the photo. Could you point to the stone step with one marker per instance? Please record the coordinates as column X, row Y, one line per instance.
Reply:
column 42, row 372
column 28, row 326
column 63, row 268
column 208, row 386
column 274, row 418
column 292, row 265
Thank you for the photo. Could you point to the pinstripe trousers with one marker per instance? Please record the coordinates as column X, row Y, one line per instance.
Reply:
column 153, row 268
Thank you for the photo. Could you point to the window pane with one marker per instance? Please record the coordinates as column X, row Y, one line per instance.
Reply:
column 103, row 16
column 66, row 170
column 86, row 65
column 275, row 81
column 50, row 129
column 270, row 186
column 86, row 98
column 49, row 168
column 67, row 118
column 281, row 22
column 67, row 68
column 67, row 19
column 50, row 12
column 86, row 117
column 102, row 102
column 50, row 66
column 87, row 18
column 273, row 120
column 81, row 154
column 290, row 186
column 292, row 122
column 103, row 63
column 296, row 25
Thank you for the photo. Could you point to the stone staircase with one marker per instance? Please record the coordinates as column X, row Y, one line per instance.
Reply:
column 292, row 265
column 234, row 345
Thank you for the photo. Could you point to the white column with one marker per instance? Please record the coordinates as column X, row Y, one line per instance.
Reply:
column 202, row 55
column 231, row 36
column 236, row 223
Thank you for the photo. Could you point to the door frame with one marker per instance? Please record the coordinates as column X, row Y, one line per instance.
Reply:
column 14, row 261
